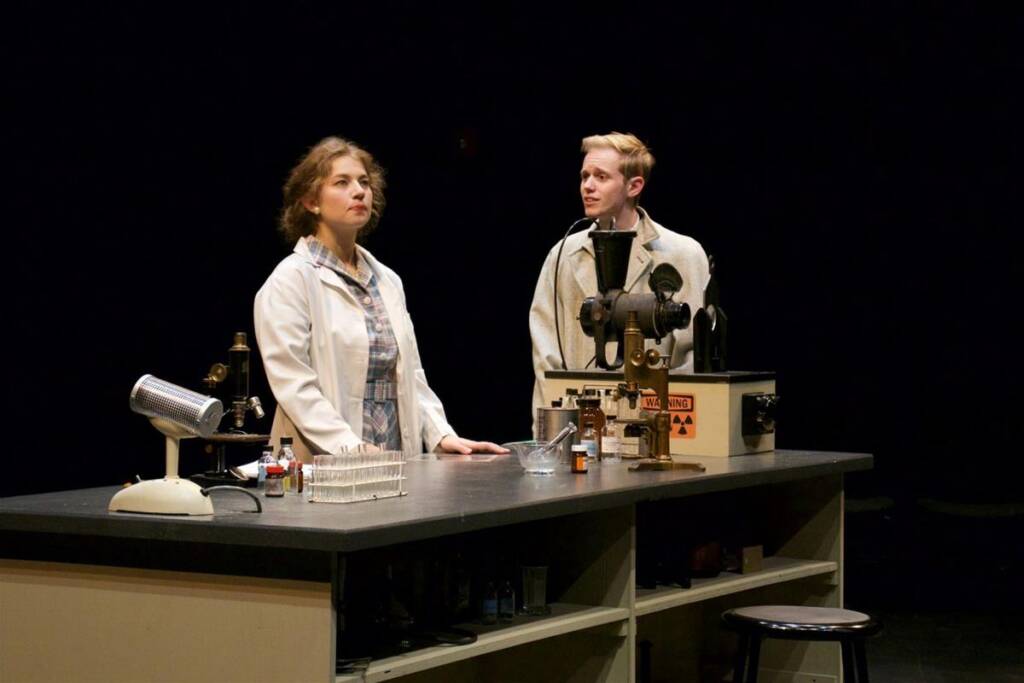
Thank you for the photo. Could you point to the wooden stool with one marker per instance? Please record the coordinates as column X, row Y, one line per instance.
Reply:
column 792, row 622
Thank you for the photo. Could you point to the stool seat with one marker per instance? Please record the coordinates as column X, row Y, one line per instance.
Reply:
column 804, row 623
column 796, row 622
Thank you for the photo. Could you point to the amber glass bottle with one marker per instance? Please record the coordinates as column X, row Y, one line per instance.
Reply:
column 591, row 423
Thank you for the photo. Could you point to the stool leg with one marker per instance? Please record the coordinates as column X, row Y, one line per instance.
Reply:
column 862, row 661
column 849, row 671
column 755, row 655
column 739, row 664
column 643, row 661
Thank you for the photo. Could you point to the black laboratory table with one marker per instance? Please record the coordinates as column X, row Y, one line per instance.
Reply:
column 82, row 588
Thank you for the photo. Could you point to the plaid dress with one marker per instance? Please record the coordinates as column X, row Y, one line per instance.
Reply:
column 380, row 399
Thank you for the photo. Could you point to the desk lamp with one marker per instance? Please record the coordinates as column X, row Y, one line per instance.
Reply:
column 177, row 413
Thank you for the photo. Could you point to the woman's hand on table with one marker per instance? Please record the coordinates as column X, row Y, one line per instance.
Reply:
column 456, row 444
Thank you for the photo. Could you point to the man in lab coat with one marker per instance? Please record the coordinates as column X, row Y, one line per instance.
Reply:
column 616, row 167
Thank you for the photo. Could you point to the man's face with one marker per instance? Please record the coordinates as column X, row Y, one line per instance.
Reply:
column 603, row 187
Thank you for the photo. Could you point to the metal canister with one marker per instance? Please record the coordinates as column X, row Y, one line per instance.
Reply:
column 550, row 421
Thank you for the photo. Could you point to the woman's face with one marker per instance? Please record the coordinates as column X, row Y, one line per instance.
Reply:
column 345, row 197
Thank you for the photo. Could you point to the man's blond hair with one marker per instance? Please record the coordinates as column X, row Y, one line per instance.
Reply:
column 637, row 160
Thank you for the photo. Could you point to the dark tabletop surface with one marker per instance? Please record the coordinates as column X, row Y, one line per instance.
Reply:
column 446, row 496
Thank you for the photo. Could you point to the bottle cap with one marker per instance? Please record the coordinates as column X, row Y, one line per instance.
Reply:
column 578, row 447
column 286, row 441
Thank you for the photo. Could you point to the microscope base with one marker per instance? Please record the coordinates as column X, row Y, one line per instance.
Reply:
column 655, row 465
column 167, row 496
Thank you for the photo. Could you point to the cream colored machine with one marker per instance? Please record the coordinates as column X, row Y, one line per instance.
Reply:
column 715, row 414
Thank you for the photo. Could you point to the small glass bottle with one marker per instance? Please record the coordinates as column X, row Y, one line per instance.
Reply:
column 610, row 403
column 610, row 448
column 579, row 459
column 266, row 459
column 286, row 459
column 591, row 423
column 506, row 602
column 463, row 589
column 274, row 484
column 297, row 476
column 571, row 395
column 588, row 439
column 489, row 605
column 629, row 441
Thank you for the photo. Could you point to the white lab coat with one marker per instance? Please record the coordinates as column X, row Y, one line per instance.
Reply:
column 577, row 280
column 312, row 336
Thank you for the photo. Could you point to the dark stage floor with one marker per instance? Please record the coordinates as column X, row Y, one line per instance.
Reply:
column 946, row 580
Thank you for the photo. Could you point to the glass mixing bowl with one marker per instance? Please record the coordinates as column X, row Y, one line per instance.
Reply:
column 534, row 460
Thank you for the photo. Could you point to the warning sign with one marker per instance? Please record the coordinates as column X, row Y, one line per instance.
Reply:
column 682, row 413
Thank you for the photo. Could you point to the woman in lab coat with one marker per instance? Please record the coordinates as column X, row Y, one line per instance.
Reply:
column 337, row 342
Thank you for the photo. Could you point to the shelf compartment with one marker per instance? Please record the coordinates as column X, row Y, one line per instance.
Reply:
column 775, row 570
column 564, row 618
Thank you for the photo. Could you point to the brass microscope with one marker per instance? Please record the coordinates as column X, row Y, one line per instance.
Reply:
column 230, row 384
column 629, row 319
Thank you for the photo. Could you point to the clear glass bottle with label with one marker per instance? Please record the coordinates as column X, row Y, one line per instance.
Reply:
column 266, row 459
column 610, row 448
column 629, row 441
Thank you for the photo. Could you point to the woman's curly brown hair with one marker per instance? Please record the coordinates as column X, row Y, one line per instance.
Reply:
column 305, row 180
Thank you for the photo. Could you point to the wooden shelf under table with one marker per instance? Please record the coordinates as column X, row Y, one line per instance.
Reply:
column 775, row 570
column 564, row 618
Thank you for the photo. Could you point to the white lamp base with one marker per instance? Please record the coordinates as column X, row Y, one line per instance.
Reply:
column 168, row 496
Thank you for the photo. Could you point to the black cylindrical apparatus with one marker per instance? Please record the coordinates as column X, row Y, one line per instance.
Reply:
column 656, row 318
column 238, row 360
column 611, row 251
column 604, row 317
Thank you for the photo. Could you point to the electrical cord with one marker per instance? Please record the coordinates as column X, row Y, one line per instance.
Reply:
column 558, row 259
column 206, row 492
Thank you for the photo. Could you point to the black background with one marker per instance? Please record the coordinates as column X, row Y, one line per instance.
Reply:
column 851, row 172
